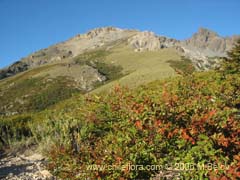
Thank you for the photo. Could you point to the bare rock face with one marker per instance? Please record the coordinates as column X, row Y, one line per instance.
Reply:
column 203, row 38
column 204, row 46
column 85, row 76
column 144, row 41
column 96, row 32
column 148, row 41
column 168, row 42
column 95, row 38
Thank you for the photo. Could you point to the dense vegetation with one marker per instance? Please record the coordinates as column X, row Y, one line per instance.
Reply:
column 189, row 125
column 184, row 66
column 231, row 64
column 96, row 59
column 35, row 94
column 182, row 120
column 186, row 121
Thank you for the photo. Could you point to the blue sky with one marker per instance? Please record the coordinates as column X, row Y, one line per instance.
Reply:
column 29, row 25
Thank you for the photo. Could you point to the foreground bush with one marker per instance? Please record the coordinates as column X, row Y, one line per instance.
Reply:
column 188, row 125
column 14, row 129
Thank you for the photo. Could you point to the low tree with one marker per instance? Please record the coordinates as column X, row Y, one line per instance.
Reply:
column 231, row 64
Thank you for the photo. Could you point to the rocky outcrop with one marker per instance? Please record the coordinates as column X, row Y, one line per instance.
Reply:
column 23, row 167
column 96, row 38
column 205, row 38
column 48, row 55
column 15, row 68
column 205, row 41
column 91, row 40
column 148, row 41
column 169, row 42
column 98, row 31
column 144, row 41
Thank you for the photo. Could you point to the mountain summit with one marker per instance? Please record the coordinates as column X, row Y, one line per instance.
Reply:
column 210, row 43
column 202, row 45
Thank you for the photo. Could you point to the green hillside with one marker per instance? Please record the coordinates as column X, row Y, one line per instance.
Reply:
column 140, row 67
column 41, row 87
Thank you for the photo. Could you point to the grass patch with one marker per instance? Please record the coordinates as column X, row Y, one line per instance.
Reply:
column 91, row 56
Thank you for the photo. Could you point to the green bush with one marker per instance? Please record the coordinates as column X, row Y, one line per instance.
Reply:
column 182, row 121
column 231, row 64
column 14, row 129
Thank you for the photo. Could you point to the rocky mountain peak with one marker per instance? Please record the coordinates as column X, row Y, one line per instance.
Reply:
column 95, row 32
column 208, row 43
column 203, row 32
column 204, row 38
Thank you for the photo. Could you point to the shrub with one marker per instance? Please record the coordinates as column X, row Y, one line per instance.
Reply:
column 14, row 129
column 184, row 122
column 231, row 64
column 184, row 66
column 96, row 59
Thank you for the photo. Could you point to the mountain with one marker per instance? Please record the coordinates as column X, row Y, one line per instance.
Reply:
column 100, row 59
column 203, row 44
column 210, row 43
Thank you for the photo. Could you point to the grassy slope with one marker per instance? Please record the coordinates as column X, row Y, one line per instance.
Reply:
column 140, row 67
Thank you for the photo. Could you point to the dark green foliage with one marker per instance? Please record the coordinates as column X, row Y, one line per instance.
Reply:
column 52, row 94
column 110, row 71
column 35, row 94
column 15, row 68
column 90, row 56
column 184, row 66
column 96, row 59
column 9, row 100
column 231, row 64
column 14, row 129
